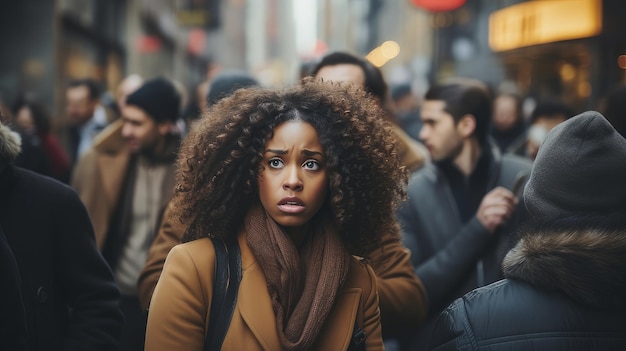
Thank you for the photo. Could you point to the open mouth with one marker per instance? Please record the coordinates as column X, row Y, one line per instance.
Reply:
column 291, row 205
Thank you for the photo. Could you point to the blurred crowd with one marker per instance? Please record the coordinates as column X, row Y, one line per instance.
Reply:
column 84, row 246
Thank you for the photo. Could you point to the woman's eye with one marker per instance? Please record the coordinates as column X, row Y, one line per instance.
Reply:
column 311, row 165
column 276, row 163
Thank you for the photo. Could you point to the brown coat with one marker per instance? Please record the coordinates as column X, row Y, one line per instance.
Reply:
column 179, row 311
column 402, row 296
column 100, row 175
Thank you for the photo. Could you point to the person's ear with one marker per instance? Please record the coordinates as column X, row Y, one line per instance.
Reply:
column 466, row 125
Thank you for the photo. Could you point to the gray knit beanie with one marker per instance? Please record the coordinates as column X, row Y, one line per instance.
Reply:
column 159, row 98
column 580, row 168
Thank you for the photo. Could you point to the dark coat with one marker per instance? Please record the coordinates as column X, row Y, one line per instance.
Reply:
column 565, row 290
column 68, row 292
column 452, row 257
column 13, row 330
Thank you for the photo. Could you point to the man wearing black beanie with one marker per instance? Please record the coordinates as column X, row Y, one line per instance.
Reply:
column 566, row 278
column 125, row 181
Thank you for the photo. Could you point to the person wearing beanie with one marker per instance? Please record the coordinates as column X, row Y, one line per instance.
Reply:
column 566, row 277
column 57, row 292
column 125, row 181
column 171, row 230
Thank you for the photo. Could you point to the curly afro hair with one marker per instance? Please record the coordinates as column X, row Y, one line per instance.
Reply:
column 220, row 160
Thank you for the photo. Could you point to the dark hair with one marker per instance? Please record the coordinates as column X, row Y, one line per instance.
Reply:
column 220, row 160
column 41, row 117
column 551, row 109
column 400, row 90
column 374, row 82
column 226, row 82
column 92, row 86
column 463, row 98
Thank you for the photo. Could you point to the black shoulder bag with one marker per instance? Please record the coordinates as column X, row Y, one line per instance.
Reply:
column 225, row 289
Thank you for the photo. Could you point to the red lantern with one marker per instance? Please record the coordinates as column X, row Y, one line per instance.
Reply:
column 438, row 5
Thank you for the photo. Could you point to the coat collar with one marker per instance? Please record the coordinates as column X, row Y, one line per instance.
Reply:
column 9, row 145
column 586, row 264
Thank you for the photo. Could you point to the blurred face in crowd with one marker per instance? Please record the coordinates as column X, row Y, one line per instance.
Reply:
column 24, row 120
column 142, row 133
column 440, row 134
column 539, row 130
column 293, row 181
column 342, row 73
column 505, row 113
column 80, row 107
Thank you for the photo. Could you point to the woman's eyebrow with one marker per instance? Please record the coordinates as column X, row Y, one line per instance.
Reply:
column 275, row 151
column 311, row 153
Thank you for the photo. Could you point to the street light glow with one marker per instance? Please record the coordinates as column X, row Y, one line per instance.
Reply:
column 384, row 53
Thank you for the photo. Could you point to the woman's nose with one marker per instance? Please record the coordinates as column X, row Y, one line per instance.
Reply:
column 292, row 179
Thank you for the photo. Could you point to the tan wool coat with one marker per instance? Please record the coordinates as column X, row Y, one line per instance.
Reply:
column 403, row 301
column 179, row 311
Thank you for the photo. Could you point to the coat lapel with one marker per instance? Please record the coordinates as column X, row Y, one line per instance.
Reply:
column 254, row 300
column 112, row 161
column 255, row 307
column 337, row 330
column 113, row 169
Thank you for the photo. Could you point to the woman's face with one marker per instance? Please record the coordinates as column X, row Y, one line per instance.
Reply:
column 293, row 182
column 24, row 119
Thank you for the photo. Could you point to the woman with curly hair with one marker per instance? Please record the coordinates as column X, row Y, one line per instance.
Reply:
column 306, row 180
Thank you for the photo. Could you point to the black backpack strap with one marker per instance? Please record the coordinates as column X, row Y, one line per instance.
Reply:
column 226, row 280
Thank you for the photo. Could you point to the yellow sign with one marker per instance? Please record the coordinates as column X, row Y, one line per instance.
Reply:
column 191, row 17
column 544, row 21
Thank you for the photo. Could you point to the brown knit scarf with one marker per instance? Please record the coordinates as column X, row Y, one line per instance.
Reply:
column 303, row 285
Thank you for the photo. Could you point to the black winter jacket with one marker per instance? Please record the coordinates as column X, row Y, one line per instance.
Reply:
column 565, row 290
column 57, row 291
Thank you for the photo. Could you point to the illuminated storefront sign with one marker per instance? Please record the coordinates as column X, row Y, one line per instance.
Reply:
column 545, row 21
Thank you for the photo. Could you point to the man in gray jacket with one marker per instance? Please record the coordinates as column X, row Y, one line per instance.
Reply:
column 462, row 206
column 564, row 286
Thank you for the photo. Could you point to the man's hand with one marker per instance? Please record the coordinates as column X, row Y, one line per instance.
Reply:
column 496, row 208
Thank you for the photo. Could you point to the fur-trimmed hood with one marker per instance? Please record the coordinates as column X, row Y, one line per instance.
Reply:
column 10, row 142
column 588, row 265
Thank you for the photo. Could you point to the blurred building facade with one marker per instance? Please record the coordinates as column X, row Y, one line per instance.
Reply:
column 572, row 50
column 47, row 42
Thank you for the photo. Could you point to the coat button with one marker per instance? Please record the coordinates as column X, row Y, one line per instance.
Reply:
column 42, row 295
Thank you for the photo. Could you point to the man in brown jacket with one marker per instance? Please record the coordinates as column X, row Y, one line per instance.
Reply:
column 125, row 181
